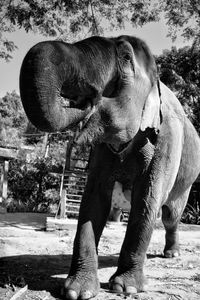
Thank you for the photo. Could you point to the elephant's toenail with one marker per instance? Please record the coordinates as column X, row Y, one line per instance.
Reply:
column 86, row 295
column 131, row 290
column 116, row 288
column 71, row 295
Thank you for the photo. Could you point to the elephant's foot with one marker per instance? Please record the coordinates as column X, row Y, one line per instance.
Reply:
column 83, row 285
column 172, row 252
column 129, row 282
column 172, row 245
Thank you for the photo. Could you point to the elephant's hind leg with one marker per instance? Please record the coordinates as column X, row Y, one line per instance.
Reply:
column 171, row 215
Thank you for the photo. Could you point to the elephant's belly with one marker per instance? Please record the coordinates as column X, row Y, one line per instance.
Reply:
column 121, row 199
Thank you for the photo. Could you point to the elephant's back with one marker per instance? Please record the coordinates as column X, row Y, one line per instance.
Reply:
column 178, row 124
column 170, row 104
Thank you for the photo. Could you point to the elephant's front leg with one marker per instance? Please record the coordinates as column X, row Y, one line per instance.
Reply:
column 129, row 276
column 82, row 281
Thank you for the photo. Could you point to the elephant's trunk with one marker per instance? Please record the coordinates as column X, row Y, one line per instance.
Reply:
column 41, row 79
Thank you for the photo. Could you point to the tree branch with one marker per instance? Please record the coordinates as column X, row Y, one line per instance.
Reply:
column 93, row 19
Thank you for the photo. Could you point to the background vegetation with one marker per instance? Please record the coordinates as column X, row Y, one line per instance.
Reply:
column 72, row 19
column 180, row 71
column 32, row 186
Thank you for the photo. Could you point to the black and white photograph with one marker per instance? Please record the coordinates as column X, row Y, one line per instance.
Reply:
column 99, row 149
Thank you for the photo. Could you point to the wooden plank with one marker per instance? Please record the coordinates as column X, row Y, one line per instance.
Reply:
column 79, row 191
column 5, row 180
column 68, row 206
column 79, row 180
column 73, row 195
column 70, row 195
column 1, row 182
column 75, row 174
column 69, row 153
column 8, row 153
column 45, row 145
column 73, row 200
column 19, row 293
column 63, row 204
column 74, row 189
column 72, row 212
column 74, row 184
column 74, row 180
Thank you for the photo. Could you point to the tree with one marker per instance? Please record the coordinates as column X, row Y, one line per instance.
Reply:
column 72, row 19
column 12, row 119
column 180, row 70
column 185, row 15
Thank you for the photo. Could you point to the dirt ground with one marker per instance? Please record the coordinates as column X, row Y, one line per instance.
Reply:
column 31, row 256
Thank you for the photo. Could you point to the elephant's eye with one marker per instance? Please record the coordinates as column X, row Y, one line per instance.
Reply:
column 127, row 56
column 128, row 60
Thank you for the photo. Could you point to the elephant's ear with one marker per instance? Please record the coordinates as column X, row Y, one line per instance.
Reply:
column 152, row 115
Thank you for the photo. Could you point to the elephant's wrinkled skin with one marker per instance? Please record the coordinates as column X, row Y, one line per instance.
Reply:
column 142, row 139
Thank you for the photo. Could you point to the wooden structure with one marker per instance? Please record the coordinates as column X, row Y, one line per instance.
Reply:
column 72, row 192
column 73, row 182
column 5, row 155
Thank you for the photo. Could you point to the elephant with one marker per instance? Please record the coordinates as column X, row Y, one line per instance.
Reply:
column 141, row 138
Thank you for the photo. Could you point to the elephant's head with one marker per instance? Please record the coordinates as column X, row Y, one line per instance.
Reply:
column 111, row 86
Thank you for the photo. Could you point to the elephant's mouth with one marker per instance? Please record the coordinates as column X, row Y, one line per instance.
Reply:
column 80, row 103
column 86, row 127
column 87, row 118
column 83, row 104
column 88, row 124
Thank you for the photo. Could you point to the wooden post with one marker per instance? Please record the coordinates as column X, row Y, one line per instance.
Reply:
column 1, row 184
column 5, row 180
column 45, row 145
column 63, row 204
column 4, row 186
column 68, row 153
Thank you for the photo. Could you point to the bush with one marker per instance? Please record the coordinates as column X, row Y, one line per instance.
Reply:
column 31, row 186
column 191, row 215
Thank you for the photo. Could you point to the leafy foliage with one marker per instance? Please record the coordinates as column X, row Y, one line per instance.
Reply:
column 12, row 120
column 72, row 19
column 32, row 182
column 6, row 46
column 32, row 186
column 183, row 15
column 191, row 215
column 180, row 70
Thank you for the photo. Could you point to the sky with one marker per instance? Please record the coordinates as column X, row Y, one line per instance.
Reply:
column 155, row 35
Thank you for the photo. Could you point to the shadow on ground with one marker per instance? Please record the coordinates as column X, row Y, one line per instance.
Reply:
column 41, row 272
column 19, row 220
column 44, row 272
